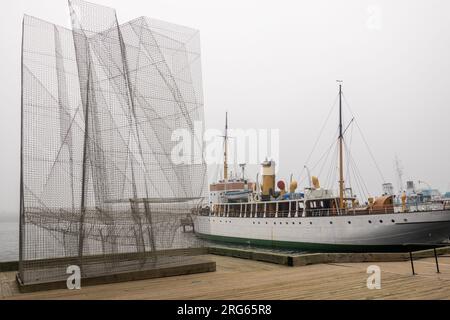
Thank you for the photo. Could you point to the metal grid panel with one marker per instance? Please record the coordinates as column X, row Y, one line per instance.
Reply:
column 100, row 103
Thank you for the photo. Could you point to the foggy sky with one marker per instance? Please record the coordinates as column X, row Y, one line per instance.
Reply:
column 274, row 64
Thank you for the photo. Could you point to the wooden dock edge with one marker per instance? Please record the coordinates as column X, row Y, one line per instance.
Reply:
column 278, row 258
column 317, row 258
column 9, row 266
column 288, row 259
column 190, row 267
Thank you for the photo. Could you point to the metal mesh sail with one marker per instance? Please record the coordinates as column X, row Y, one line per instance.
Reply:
column 101, row 180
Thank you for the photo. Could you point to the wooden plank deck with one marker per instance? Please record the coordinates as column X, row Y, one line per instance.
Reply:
column 247, row 279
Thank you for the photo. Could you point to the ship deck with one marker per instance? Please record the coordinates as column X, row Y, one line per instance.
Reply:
column 237, row 278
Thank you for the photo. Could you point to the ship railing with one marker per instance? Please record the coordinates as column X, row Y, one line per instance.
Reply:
column 320, row 212
column 289, row 209
column 389, row 209
column 419, row 207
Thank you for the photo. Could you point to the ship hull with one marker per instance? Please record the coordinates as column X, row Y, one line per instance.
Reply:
column 359, row 233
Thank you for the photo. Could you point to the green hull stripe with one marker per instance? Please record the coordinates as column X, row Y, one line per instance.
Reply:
column 305, row 246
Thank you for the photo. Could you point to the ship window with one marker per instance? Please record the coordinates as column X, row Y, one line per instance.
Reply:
column 280, row 222
column 310, row 222
column 331, row 222
column 287, row 222
column 266, row 222
column 405, row 220
column 381, row 221
column 299, row 222
column 370, row 221
column 293, row 222
column 259, row 222
column 393, row 220
column 253, row 222
column 274, row 222
column 349, row 222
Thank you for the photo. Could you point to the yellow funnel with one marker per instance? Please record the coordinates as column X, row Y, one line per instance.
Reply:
column 315, row 182
column 293, row 186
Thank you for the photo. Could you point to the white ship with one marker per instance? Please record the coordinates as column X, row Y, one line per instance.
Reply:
column 243, row 212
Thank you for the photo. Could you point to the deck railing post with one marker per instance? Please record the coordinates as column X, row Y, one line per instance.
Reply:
column 436, row 259
column 412, row 262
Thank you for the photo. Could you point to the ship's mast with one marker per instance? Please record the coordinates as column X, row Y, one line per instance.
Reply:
column 341, row 155
column 225, row 149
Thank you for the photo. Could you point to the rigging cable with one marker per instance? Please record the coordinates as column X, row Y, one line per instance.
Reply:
column 334, row 143
column 347, row 150
column 365, row 141
column 318, row 137
column 358, row 174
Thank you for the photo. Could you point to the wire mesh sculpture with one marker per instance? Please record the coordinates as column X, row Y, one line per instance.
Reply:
column 100, row 103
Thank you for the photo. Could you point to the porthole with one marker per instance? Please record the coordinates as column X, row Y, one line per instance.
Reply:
column 299, row 222
column 293, row 222
column 406, row 220
column 287, row 222
column 266, row 222
column 310, row 222
column 280, row 222
column 253, row 222
column 370, row 221
column 393, row 221
column 259, row 222
column 274, row 222
column 381, row 221
column 331, row 222
column 349, row 222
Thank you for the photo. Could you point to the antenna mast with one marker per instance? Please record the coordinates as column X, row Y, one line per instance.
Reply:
column 225, row 162
column 341, row 154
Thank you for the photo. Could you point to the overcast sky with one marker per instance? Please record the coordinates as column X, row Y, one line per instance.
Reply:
column 274, row 64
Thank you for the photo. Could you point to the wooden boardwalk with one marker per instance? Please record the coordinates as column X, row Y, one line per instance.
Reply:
column 247, row 279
